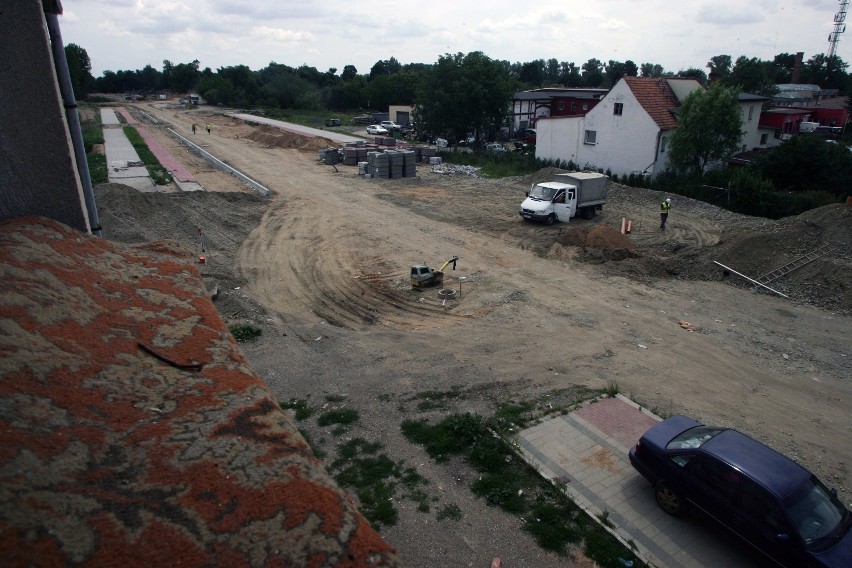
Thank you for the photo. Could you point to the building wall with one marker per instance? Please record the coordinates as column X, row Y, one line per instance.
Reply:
column 625, row 143
column 751, row 118
column 400, row 114
column 38, row 175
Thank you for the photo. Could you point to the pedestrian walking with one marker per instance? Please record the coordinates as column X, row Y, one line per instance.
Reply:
column 193, row 128
column 208, row 128
column 664, row 212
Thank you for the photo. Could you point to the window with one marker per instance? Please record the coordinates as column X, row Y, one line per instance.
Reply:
column 716, row 475
column 591, row 137
column 663, row 143
column 617, row 109
column 573, row 106
column 585, row 106
column 560, row 106
column 763, row 139
column 750, row 112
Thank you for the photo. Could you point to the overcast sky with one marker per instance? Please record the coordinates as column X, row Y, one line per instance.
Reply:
column 677, row 34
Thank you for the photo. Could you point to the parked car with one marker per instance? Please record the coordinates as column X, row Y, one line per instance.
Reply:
column 529, row 136
column 496, row 148
column 390, row 125
column 332, row 122
column 756, row 493
column 376, row 129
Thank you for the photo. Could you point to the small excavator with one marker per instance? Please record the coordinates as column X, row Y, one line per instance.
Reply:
column 423, row 277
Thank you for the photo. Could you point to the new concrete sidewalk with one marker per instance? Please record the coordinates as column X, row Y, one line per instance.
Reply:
column 121, row 156
column 297, row 128
column 585, row 452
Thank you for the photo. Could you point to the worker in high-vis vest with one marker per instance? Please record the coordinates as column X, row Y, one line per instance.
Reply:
column 664, row 212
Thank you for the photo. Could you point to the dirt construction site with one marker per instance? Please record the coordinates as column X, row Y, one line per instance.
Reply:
column 321, row 266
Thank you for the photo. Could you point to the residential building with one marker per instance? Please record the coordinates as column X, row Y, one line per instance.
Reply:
column 626, row 132
column 529, row 106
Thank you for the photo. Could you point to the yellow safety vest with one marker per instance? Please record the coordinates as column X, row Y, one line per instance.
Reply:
column 664, row 208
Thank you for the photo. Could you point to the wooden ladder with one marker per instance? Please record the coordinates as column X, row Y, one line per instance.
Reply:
column 798, row 263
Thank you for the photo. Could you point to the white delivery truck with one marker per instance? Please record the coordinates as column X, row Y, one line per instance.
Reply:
column 575, row 193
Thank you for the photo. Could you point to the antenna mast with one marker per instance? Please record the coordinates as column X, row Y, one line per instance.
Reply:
column 839, row 28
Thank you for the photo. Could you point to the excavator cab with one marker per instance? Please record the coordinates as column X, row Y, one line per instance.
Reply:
column 422, row 276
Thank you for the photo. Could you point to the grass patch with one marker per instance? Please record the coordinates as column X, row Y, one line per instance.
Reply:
column 303, row 411
column 318, row 452
column 243, row 332
column 450, row 511
column 98, row 172
column 431, row 400
column 506, row 481
column 158, row 173
column 494, row 165
column 375, row 479
column 343, row 416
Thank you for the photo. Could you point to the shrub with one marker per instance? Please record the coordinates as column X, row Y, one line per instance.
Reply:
column 243, row 332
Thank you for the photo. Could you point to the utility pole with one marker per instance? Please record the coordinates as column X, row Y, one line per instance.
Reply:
column 839, row 28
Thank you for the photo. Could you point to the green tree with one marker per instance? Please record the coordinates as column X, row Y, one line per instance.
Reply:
column 349, row 72
column 80, row 70
column 184, row 76
column 651, row 70
column 720, row 66
column 532, row 73
column 782, row 67
column 593, row 73
column 827, row 72
column 569, row 74
column 709, row 125
column 807, row 162
column 752, row 76
column 693, row 73
column 463, row 93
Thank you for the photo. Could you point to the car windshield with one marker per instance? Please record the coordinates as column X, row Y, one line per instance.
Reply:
column 816, row 516
column 692, row 438
column 544, row 193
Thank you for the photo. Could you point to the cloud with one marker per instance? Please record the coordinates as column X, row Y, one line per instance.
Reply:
column 278, row 34
column 613, row 25
column 729, row 14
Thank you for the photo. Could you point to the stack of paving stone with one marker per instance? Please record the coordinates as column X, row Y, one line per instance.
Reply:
column 396, row 163
column 378, row 165
column 426, row 153
column 409, row 161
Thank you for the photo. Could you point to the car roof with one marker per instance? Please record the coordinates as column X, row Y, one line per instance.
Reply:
column 773, row 470
column 776, row 472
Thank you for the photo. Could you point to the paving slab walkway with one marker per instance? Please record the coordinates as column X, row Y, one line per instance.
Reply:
column 585, row 452
column 121, row 155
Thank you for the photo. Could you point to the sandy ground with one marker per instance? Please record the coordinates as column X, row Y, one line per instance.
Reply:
column 322, row 267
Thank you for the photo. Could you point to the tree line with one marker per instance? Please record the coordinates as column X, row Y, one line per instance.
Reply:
column 390, row 82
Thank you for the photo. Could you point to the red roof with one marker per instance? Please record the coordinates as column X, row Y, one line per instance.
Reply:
column 656, row 97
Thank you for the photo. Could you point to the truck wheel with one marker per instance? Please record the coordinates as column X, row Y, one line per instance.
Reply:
column 588, row 212
column 550, row 219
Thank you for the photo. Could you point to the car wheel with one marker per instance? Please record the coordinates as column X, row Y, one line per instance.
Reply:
column 550, row 219
column 668, row 499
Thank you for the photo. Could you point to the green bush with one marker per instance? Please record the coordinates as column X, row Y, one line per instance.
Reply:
column 243, row 332
column 345, row 416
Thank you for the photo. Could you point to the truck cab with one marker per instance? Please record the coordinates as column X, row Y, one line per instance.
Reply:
column 549, row 202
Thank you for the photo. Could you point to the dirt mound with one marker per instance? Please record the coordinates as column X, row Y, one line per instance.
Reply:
column 599, row 243
column 272, row 137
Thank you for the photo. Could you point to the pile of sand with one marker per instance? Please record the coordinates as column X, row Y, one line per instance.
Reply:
column 272, row 137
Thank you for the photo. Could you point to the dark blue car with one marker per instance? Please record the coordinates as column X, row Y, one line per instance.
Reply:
column 763, row 497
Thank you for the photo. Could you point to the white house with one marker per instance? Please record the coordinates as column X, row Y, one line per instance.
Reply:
column 629, row 129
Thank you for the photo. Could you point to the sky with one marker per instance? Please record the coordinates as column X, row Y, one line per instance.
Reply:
column 325, row 34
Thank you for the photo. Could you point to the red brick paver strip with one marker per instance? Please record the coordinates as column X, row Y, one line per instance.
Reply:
column 621, row 420
column 163, row 155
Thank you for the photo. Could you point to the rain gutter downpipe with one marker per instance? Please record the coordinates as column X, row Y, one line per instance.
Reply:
column 73, row 119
